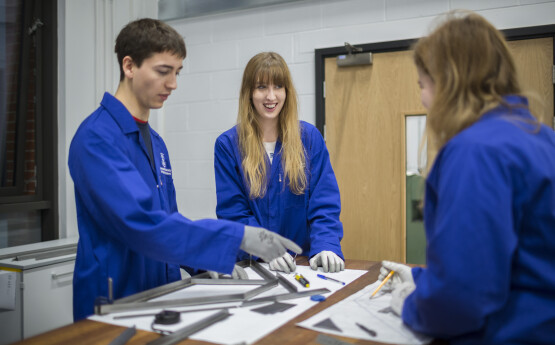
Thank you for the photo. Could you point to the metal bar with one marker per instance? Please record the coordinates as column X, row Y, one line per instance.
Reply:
column 47, row 255
column 286, row 283
column 287, row 296
column 187, row 331
column 124, row 337
column 156, row 292
column 255, row 292
column 184, row 302
column 140, row 301
column 226, row 281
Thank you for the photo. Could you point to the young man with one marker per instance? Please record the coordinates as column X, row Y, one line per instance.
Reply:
column 129, row 226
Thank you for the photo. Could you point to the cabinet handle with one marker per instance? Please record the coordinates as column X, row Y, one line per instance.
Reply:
column 58, row 275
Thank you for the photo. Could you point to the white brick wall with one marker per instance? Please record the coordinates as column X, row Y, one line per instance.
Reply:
column 219, row 46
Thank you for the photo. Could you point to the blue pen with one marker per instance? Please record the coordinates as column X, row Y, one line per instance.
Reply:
column 328, row 278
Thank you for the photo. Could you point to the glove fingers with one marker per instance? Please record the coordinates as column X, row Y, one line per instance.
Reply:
column 338, row 264
column 213, row 275
column 283, row 265
column 333, row 264
column 239, row 273
column 290, row 262
column 325, row 262
column 288, row 244
column 314, row 262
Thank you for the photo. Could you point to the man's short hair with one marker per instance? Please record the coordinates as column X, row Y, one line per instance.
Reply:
column 142, row 38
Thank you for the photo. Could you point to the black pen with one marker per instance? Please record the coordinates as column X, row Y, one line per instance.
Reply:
column 369, row 331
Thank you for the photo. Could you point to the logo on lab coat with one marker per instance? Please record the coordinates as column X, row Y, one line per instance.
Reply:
column 163, row 169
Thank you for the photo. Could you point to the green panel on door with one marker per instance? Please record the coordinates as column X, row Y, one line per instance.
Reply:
column 416, row 236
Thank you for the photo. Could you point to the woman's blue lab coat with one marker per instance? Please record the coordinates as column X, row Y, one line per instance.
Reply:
column 129, row 227
column 311, row 220
column 490, row 227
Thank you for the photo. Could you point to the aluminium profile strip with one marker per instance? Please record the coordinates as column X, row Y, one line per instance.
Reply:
column 187, row 331
column 198, row 279
column 139, row 301
column 286, row 283
column 283, row 297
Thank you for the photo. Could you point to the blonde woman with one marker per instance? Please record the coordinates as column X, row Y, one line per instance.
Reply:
column 490, row 198
column 273, row 171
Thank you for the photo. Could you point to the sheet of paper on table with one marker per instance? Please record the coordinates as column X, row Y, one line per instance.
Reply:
column 375, row 315
column 245, row 325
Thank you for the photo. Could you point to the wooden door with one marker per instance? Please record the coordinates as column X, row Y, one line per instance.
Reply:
column 365, row 110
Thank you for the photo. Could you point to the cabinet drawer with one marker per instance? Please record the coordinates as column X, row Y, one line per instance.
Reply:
column 47, row 298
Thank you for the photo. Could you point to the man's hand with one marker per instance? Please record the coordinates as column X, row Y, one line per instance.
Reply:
column 329, row 261
column 402, row 274
column 265, row 244
column 286, row 264
column 238, row 273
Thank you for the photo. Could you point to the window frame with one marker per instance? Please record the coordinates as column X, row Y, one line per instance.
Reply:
column 45, row 199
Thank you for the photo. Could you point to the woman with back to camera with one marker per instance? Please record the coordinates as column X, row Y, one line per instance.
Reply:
column 274, row 170
column 489, row 207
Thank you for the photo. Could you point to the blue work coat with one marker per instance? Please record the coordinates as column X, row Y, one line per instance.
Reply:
column 311, row 219
column 129, row 226
column 490, row 227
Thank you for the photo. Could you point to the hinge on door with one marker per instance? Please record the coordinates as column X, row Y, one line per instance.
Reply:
column 22, row 285
column 324, row 87
column 553, row 74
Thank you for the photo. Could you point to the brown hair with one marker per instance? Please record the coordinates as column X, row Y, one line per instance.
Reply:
column 142, row 38
column 270, row 68
column 472, row 69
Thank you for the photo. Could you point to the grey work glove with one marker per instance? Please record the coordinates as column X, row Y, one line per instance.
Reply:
column 403, row 273
column 399, row 295
column 265, row 244
column 238, row 273
column 286, row 264
column 329, row 261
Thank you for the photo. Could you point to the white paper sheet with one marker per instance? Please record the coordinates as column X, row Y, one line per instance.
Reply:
column 374, row 314
column 7, row 290
column 244, row 326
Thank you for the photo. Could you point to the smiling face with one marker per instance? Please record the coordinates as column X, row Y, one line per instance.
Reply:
column 268, row 100
column 153, row 82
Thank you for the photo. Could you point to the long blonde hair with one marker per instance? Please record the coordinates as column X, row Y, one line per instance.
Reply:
column 472, row 69
column 270, row 68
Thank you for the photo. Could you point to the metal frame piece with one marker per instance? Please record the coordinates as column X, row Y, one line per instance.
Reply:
column 140, row 300
column 286, row 283
column 283, row 297
column 187, row 331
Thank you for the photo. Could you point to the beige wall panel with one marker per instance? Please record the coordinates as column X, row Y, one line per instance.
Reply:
column 534, row 61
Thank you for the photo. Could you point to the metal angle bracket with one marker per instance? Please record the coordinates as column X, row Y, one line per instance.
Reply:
column 140, row 301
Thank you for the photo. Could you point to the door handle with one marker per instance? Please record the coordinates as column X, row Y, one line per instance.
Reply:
column 59, row 275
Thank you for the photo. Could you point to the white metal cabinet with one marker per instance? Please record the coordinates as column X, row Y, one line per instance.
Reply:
column 44, row 293
column 47, row 298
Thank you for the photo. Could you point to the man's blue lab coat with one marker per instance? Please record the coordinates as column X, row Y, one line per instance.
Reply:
column 129, row 226
column 490, row 227
column 311, row 220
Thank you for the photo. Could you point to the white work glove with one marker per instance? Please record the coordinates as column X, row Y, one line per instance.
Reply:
column 399, row 295
column 403, row 273
column 286, row 264
column 238, row 273
column 265, row 244
column 329, row 261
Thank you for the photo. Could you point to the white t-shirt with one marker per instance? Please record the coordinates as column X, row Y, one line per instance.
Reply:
column 270, row 148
